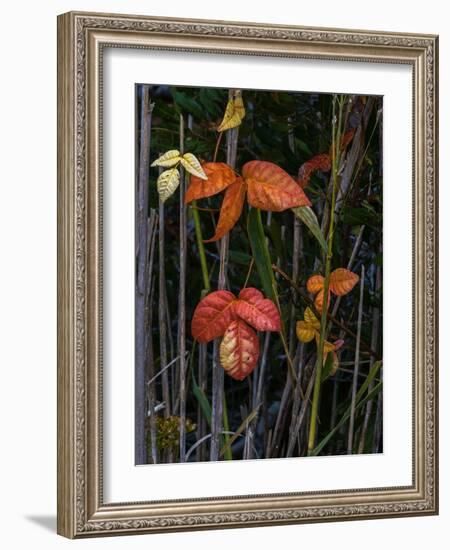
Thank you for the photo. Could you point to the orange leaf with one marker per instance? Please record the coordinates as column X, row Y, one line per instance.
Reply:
column 259, row 312
column 345, row 140
column 319, row 162
column 212, row 315
column 342, row 281
column 231, row 209
column 318, row 302
column 239, row 350
column 219, row 175
column 315, row 283
column 271, row 188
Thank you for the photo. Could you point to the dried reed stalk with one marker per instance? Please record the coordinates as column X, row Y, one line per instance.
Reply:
column 356, row 367
column 142, row 276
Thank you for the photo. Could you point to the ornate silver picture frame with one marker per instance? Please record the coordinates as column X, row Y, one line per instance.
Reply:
column 82, row 39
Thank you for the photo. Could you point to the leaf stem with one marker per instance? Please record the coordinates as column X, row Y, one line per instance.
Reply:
column 249, row 272
column 336, row 139
column 216, row 150
column 201, row 248
column 226, row 425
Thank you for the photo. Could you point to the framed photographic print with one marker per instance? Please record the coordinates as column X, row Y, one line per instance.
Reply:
column 247, row 284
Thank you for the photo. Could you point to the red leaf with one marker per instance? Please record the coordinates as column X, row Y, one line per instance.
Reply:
column 319, row 162
column 338, row 344
column 231, row 209
column 258, row 311
column 212, row 315
column 239, row 350
column 347, row 138
column 220, row 176
column 271, row 188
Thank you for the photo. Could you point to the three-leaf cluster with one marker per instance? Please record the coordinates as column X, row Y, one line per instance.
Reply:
column 221, row 313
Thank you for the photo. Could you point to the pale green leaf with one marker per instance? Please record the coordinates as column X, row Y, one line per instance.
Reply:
column 167, row 183
column 169, row 159
column 307, row 216
column 193, row 166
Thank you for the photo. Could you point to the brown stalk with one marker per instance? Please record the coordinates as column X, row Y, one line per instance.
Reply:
column 374, row 343
column 162, row 315
column 300, row 418
column 356, row 368
column 142, row 276
column 151, row 391
column 182, row 305
column 218, row 374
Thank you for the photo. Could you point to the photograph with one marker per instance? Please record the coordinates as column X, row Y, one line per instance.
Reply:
column 247, row 273
column 258, row 275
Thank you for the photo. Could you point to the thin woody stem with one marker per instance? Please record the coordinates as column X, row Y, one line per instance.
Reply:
column 336, row 139
column 201, row 248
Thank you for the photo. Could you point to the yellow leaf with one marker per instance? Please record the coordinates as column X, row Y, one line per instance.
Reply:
column 234, row 113
column 169, row 159
column 327, row 347
column 311, row 319
column 305, row 332
column 193, row 166
column 167, row 183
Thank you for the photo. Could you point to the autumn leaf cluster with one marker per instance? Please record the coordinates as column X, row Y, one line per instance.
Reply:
column 221, row 313
column 265, row 185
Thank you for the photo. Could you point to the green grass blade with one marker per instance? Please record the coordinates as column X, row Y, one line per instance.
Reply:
column 202, row 400
column 359, row 403
column 344, row 419
column 261, row 253
column 241, row 428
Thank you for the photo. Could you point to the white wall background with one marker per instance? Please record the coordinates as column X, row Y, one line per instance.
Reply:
column 28, row 271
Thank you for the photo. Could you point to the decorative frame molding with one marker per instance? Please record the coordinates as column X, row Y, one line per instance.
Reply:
column 81, row 37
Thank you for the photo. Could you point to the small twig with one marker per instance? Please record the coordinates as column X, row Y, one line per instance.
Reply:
column 163, row 369
column 349, row 265
column 216, row 150
column 201, row 209
column 201, row 441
